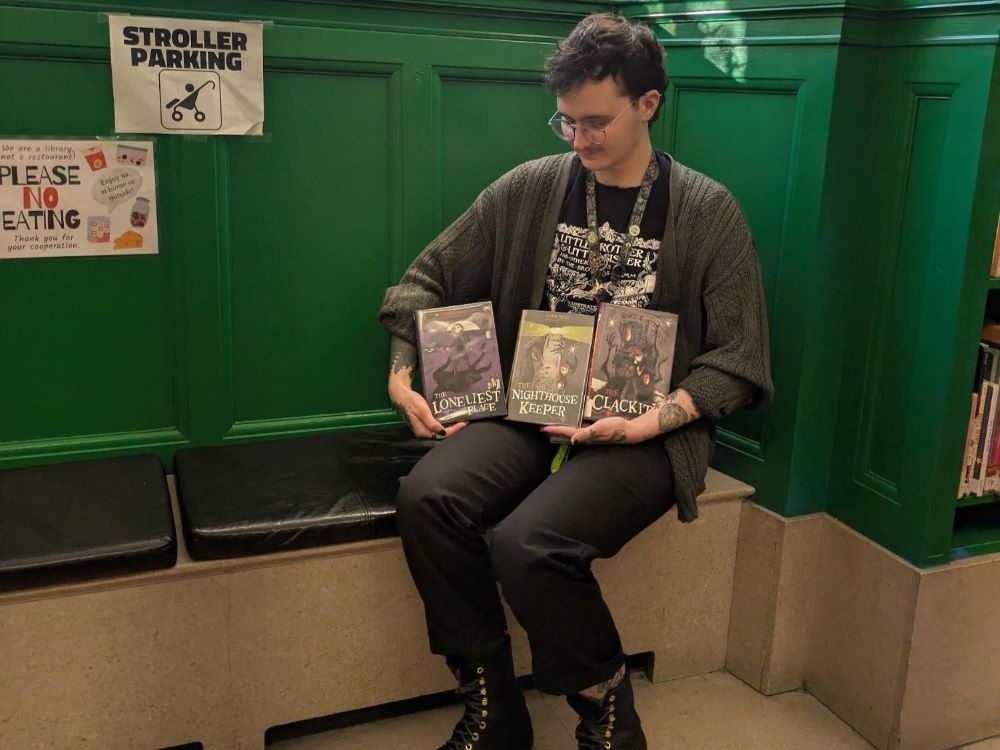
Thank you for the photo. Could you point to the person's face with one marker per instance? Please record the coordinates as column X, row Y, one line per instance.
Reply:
column 605, row 104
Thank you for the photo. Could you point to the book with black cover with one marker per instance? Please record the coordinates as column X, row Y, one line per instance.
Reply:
column 460, row 362
column 549, row 373
column 631, row 364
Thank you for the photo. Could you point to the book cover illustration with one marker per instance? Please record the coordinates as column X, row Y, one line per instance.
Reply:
column 460, row 362
column 632, row 360
column 549, row 374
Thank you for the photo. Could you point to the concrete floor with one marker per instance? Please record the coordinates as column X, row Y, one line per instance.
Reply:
column 714, row 711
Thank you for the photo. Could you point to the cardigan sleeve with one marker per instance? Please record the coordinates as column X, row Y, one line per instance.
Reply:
column 733, row 369
column 453, row 269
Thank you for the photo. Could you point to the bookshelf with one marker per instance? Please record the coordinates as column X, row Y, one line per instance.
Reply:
column 918, row 290
column 987, row 499
column 975, row 530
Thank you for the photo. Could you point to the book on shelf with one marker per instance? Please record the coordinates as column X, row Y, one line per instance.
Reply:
column 549, row 374
column 995, row 264
column 460, row 362
column 630, row 366
column 991, row 459
column 981, row 461
column 971, row 436
column 988, row 410
column 990, row 333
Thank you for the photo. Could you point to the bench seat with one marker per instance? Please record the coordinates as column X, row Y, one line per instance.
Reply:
column 70, row 522
column 219, row 651
column 262, row 497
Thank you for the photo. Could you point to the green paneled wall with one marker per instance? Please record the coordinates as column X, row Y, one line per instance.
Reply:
column 853, row 135
column 308, row 244
column 487, row 125
column 745, row 136
column 765, row 133
column 275, row 251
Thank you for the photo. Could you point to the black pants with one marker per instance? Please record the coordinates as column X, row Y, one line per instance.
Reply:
column 547, row 529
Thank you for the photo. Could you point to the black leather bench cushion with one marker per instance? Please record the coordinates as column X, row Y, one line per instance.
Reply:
column 88, row 519
column 255, row 498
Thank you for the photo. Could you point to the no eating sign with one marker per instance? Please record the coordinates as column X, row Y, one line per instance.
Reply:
column 183, row 76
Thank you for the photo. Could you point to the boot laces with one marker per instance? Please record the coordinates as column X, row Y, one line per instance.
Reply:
column 595, row 730
column 474, row 721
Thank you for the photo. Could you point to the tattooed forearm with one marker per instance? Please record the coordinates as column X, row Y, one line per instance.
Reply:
column 671, row 411
column 672, row 415
column 402, row 356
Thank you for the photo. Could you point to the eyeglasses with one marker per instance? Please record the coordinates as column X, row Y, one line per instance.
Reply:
column 596, row 134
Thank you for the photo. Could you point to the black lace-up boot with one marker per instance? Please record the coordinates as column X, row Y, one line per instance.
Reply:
column 610, row 725
column 496, row 717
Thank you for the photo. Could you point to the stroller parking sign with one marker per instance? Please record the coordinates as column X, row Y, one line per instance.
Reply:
column 184, row 76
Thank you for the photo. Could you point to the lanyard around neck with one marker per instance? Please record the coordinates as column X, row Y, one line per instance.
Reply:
column 632, row 232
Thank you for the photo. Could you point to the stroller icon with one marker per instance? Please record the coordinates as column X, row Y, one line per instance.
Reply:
column 189, row 102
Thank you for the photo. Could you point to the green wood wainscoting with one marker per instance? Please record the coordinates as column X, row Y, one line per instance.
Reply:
column 861, row 139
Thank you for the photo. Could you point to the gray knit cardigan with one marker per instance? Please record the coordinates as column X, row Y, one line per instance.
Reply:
column 708, row 273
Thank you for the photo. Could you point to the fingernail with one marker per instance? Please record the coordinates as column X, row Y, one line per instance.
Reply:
column 442, row 432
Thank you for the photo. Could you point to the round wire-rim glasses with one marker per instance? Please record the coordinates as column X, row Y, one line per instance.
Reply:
column 596, row 134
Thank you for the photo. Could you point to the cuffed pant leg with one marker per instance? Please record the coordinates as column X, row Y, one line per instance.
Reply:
column 543, row 550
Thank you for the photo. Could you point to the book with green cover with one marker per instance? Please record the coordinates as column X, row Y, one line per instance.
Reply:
column 549, row 374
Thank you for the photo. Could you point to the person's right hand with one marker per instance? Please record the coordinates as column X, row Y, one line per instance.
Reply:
column 414, row 408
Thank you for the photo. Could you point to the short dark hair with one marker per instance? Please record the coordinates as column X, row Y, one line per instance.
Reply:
column 607, row 44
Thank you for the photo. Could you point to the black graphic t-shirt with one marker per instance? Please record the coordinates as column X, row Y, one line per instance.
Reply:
column 571, row 285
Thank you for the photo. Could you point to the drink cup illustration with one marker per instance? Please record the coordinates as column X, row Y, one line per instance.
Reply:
column 95, row 158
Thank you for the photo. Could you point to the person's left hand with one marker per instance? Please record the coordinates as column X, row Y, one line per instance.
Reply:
column 613, row 430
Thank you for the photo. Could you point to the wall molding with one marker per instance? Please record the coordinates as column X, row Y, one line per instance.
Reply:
column 293, row 426
column 678, row 24
column 80, row 447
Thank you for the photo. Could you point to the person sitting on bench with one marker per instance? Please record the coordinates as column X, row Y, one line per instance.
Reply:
column 615, row 220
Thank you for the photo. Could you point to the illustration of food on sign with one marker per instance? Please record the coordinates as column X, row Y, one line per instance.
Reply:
column 128, row 240
column 131, row 155
column 95, row 158
column 140, row 212
column 98, row 229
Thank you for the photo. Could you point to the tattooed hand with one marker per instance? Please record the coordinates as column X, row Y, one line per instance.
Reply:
column 612, row 430
column 410, row 405
column 401, row 410
column 413, row 409
column 676, row 410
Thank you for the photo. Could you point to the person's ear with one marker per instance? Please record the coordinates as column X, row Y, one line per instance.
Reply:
column 648, row 103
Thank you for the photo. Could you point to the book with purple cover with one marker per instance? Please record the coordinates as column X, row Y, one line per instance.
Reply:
column 460, row 362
